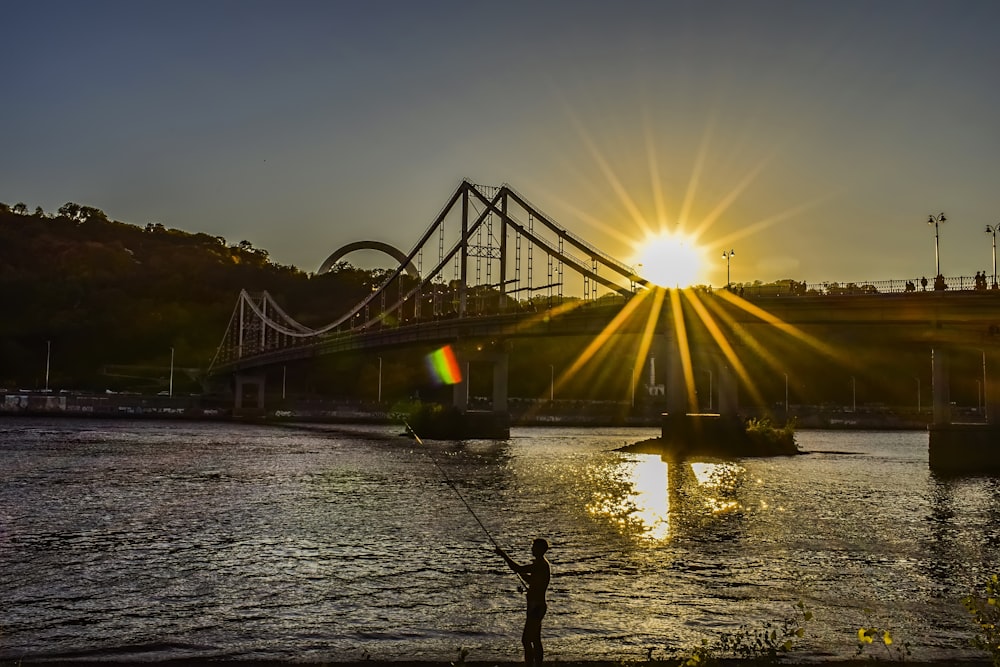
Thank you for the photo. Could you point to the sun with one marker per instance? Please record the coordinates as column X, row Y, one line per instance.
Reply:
column 669, row 260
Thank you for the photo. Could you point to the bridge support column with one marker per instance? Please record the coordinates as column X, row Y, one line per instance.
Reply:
column 466, row 423
column 728, row 395
column 460, row 390
column 991, row 385
column 249, row 392
column 500, row 381
column 677, row 398
column 941, row 394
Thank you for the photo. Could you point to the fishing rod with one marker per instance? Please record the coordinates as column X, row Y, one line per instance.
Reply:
column 454, row 488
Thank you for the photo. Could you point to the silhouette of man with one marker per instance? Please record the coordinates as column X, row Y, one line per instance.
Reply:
column 536, row 575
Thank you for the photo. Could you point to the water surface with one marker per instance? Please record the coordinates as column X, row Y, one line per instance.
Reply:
column 150, row 540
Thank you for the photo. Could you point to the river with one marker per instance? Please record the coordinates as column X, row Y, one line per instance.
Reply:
column 142, row 540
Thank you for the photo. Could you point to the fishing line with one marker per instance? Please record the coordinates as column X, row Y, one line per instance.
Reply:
column 454, row 488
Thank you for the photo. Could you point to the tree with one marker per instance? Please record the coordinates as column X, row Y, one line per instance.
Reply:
column 88, row 213
column 69, row 210
column 80, row 213
column 20, row 208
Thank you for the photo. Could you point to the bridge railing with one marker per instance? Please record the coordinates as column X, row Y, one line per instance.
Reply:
column 864, row 287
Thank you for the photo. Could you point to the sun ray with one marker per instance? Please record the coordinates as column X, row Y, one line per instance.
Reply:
column 554, row 311
column 728, row 200
column 616, row 232
column 654, row 172
column 683, row 348
column 740, row 332
column 761, row 225
column 616, row 185
column 776, row 322
column 602, row 338
column 724, row 345
column 696, row 170
column 646, row 340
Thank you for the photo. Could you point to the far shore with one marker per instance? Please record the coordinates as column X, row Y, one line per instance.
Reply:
column 573, row 414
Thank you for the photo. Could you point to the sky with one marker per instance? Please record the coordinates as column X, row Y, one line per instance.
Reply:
column 814, row 138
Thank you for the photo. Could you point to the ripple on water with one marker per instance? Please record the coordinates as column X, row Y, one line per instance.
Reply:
column 148, row 541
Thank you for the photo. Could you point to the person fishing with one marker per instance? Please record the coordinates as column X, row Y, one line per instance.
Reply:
column 535, row 575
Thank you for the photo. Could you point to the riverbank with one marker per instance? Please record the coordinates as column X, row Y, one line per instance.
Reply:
column 433, row 663
column 586, row 414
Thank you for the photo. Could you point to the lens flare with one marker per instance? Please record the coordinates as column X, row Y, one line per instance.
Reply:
column 443, row 366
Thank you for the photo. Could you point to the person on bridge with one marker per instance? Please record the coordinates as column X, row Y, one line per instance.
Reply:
column 536, row 575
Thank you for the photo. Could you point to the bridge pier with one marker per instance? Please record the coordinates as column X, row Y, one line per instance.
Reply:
column 728, row 399
column 248, row 393
column 493, row 423
column 963, row 448
column 941, row 386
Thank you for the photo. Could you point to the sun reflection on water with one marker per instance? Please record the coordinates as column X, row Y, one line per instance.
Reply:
column 635, row 494
column 637, row 499
column 721, row 478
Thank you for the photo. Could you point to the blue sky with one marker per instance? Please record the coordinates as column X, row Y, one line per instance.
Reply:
column 812, row 137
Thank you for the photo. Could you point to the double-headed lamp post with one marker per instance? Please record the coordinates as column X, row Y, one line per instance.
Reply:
column 992, row 229
column 728, row 256
column 936, row 220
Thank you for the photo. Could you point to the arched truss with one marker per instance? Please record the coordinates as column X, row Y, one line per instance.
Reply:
column 494, row 226
column 392, row 251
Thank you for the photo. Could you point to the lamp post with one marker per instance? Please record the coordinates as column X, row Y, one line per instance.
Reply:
column 918, row 393
column 979, row 396
column 170, row 390
column 552, row 383
column 632, row 377
column 728, row 257
column 786, row 396
column 985, row 407
column 709, row 390
column 992, row 229
column 380, row 380
column 48, row 358
column 854, row 395
column 936, row 220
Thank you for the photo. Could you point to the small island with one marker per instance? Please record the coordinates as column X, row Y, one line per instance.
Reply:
column 712, row 435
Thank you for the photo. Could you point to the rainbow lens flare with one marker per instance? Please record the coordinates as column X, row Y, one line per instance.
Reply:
column 443, row 366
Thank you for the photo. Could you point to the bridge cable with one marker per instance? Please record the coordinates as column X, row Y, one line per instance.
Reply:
column 454, row 488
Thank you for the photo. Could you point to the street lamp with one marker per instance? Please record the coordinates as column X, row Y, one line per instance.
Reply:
column 48, row 358
column 552, row 383
column 854, row 395
column 786, row 395
column 380, row 380
column 632, row 377
column 728, row 256
column 918, row 393
column 936, row 220
column 992, row 229
column 170, row 391
column 709, row 390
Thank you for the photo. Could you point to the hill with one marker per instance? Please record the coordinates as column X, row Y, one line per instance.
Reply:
column 112, row 295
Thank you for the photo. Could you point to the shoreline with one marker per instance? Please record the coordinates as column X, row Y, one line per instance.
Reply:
column 676, row 662
column 142, row 413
